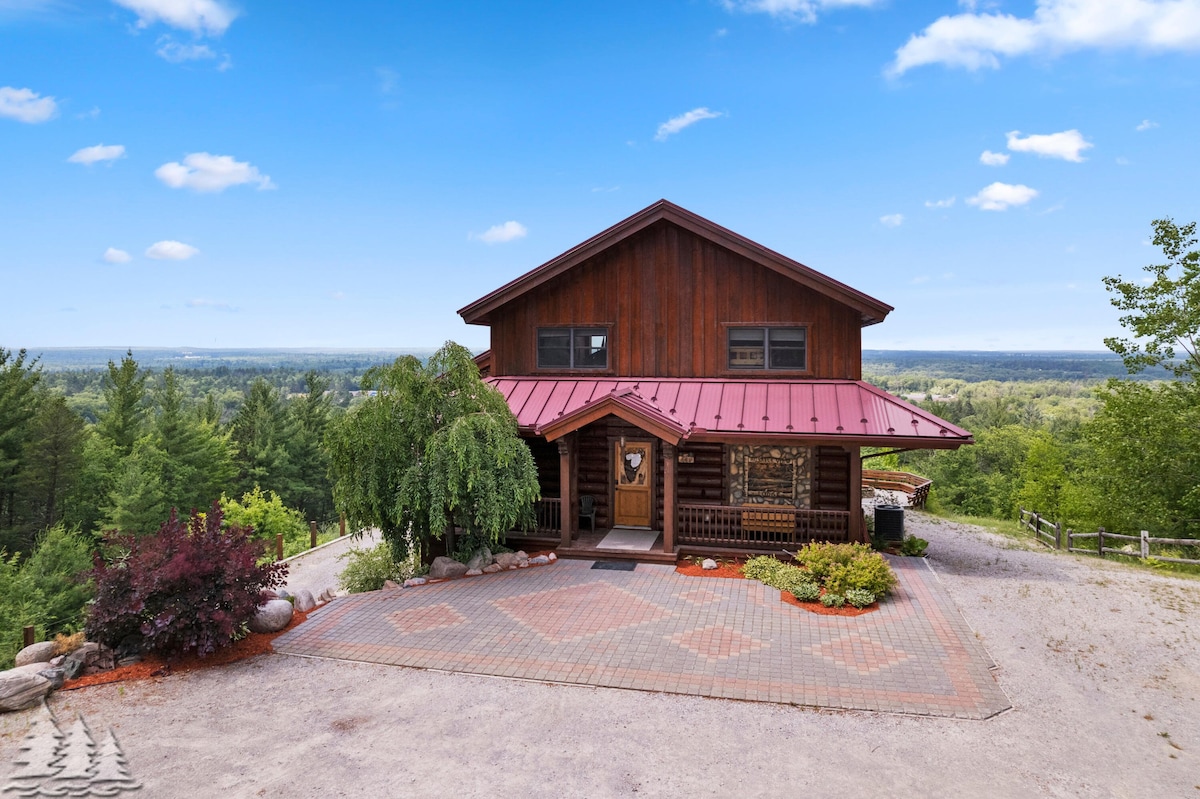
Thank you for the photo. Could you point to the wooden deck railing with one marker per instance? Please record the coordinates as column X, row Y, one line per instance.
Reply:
column 914, row 485
column 759, row 526
column 549, row 515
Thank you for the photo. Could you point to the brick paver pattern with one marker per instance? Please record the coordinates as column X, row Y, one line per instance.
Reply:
column 654, row 630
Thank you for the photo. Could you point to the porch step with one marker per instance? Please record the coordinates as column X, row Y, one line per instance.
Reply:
column 590, row 553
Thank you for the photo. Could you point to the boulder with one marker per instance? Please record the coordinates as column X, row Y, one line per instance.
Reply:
column 480, row 559
column 552, row 557
column 507, row 560
column 72, row 668
column 473, row 572
column 492, row 569
column 413, row 582
column 540, row 560
column 20, row 688
column 305, row 601
column 446, row 568
column 390, row 584
column 92, row 658
column 709, row 564
column 282, row 593
column 55, row 676
column 522, row 555
column 271, row 617
column 35, row 653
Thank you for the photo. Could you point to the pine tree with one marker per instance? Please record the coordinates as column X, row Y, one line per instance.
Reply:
column 260, row 433
column 137, row 502
column 125, row 393
column 196, row 462
column 18, row 404
column 53, row 460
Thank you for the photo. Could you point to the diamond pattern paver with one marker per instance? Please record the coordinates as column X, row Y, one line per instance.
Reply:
column 655, row 630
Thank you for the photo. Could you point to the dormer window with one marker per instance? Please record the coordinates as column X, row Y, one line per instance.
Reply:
column 780, row 348
column 572, row 348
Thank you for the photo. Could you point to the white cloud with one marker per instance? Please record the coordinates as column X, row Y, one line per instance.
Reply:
column 892, row 220
column 216, row 305
column 676, row 124
column 974, row 41
column 1146, row 125
column 802, row 10
column 176, row 53
column 201, row 17
column 1066, row 145
column 206, row 172
column 26, row 105
column 498, row 234
column 946, row 203
column 1002, row 196
column 114, row 256
column 993, row 159
column 171, row 251
column 101, row 152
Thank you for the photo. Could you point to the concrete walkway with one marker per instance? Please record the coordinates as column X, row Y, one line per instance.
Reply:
column 654, row 630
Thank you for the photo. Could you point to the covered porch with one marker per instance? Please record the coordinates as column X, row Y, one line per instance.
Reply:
column 709, row 466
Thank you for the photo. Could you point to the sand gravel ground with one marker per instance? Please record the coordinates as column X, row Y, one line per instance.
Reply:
column 1101, row 661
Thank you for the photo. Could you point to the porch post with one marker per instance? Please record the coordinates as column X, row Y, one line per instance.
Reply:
column 857, row 532
column 566, row 484
column 669, row 513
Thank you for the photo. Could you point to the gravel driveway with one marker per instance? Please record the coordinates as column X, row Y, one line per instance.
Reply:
column 1100, row 660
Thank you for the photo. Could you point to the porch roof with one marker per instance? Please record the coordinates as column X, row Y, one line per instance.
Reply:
column 679, row 409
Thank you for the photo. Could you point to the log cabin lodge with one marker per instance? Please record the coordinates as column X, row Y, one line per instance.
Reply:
column 685, row 390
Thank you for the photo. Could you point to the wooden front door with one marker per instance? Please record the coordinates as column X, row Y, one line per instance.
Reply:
column 633, row 498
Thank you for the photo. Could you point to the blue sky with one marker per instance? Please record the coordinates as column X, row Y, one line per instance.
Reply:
column 211, row 174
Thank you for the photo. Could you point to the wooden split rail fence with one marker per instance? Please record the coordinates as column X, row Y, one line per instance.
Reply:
column 1052, row 534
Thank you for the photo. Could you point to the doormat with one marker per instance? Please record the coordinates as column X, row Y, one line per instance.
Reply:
column 615, row 565
column 625, row 538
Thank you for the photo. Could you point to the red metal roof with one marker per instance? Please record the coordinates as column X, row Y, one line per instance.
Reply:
column 848, row 410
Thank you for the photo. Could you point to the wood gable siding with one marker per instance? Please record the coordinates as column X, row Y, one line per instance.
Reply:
column 667, row 296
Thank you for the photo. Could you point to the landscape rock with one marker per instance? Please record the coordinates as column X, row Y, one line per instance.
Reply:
column 446, row 568
column 709, row 564
column 507, row 560
column 481, row 558
column 20, row 688
column 552, row 557
column 305, row 601
column 129, row 660
column 57, row 661
column 492, row 569
column 412, row 582
column 522, row 555
column 72, row 668
column 522, row 564
column 35, row 653
column 540, row 560
column 271, row 617
column 390, row 584
column 473, row 572
column 55, row 676
column 282, row 593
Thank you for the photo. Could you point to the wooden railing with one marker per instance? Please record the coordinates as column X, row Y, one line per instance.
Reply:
column 915, row 486
column 759, row 526
column 1049, row 533
column 549, row 515
column 1097, row 543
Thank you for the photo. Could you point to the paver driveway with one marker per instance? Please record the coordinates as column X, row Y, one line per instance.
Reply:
column 654, row 630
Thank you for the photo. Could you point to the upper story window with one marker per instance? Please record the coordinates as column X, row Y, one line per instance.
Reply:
column 572, row 348
column 768, row 348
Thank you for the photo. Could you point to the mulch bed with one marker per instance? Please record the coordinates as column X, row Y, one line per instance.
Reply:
column 155, row 666
column 734, row 570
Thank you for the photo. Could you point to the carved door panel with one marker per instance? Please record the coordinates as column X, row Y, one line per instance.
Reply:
column 633, row 462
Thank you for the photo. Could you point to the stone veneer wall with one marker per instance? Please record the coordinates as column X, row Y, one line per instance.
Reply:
column 800, row 458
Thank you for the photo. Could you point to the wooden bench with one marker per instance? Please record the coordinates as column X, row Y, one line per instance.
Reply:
column 774, row 519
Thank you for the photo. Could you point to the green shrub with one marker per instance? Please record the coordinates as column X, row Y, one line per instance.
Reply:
column 868, row 572
column 807, row 592
column 820, row 558
column 268, row 517
column 763, row 568
column 367, row 569
column 45, row 591
column 793, row 579
column 832, row 600
column 859, row 598
column 913, row 546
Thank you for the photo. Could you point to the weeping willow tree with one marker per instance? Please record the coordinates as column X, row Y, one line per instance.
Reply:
column 434, row 449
